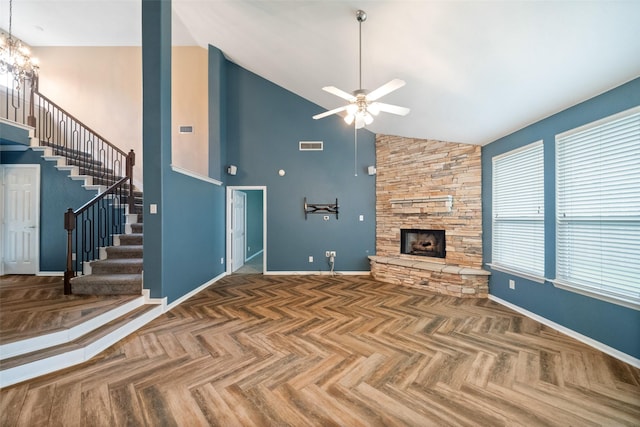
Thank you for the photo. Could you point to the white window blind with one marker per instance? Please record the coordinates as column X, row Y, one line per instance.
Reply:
column 518, row 210
column 598, row 208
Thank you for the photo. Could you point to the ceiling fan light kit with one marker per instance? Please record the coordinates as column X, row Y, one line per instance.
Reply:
column 362, row 104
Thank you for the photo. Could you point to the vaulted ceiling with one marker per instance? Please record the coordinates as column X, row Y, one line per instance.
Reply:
column 475, row 70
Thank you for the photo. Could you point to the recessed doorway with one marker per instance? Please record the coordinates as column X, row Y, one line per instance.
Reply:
column 246, row 229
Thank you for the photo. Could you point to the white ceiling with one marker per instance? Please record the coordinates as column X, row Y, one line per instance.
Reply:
column 475, row 70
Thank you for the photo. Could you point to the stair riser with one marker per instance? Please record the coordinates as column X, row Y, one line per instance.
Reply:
column 120, row 252
column 116, row 269
column 82, row 161
column 126, row 239
column 132, row 288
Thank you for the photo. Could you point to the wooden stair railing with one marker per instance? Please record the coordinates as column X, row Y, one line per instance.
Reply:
column 96, row 222
column 100, row 218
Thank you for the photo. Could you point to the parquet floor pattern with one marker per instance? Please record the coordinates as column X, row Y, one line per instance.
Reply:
column 255, row 350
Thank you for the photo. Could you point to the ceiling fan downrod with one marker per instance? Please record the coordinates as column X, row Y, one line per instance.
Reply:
column 361, row 16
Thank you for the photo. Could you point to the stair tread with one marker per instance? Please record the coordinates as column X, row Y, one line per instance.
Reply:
column 124, row 251
column 71, row 321
column 107, row 284
column 109, row 278
column 80, row 342
column 119, row 261
column 127, row 247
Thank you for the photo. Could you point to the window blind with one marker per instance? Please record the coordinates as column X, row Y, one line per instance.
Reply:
column 518, row 210
column 598, row 208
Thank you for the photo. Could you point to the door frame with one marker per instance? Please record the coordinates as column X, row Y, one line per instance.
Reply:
column 229, row 242
column 3, row 212
column 236, row 223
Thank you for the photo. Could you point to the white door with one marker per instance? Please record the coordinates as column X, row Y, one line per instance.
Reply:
column 20, row 218
column 238, row 229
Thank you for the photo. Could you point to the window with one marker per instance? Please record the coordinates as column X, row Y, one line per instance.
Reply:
column 518, row 211
column 598, row 209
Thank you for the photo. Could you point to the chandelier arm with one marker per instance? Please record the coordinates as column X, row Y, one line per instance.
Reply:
column 10, row 16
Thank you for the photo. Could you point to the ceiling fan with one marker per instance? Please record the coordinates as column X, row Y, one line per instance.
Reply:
column 362, row 104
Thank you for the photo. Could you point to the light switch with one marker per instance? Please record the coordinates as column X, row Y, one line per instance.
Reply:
column 361, row 218
column 153, row 208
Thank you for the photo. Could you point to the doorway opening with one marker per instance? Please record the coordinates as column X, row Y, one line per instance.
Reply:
column 246, row 230
column 20, row 219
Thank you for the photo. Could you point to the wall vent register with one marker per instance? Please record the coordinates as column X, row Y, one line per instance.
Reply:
column 311, row 145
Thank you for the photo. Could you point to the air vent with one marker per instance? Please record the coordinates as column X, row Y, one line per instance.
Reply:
column 186, row 129
column 311, row 146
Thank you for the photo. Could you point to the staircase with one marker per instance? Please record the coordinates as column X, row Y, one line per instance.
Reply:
column 119, row 269
column 121, row 306
column 120, row 273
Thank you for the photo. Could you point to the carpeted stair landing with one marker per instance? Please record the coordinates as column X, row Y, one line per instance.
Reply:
column 120, row 273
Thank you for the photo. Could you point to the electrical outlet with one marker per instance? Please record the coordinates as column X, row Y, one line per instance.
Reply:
column 327, row 254
column 512, row 284
column 332, row 253
column 310, row 258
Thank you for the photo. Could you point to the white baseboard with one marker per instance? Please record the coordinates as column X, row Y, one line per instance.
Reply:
column 50, row 273
column 254, row 255
column 195, row 291
column 570, row 332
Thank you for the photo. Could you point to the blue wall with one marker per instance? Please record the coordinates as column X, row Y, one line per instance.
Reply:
column 195, row 241
column 264, row 124
column 13, row 135
column 156, row 138
column 217, row 113
column 57, row 194
column 611, row 324
column 184, row 241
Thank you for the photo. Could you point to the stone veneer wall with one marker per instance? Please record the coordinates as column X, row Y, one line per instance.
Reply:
column 426, row 171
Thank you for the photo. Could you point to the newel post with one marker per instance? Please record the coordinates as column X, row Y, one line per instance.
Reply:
column 31, row 118
column 131, row 161
column 69, row 225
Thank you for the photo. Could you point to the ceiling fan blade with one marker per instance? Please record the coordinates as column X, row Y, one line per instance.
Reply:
column 385, row 89
column 338, row 92
column 330, row 112
column 393, row 109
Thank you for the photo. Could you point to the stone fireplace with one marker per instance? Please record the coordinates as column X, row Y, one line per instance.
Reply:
column 428, row 201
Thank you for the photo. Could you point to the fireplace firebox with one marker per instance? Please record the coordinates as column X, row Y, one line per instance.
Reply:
column 429, row 243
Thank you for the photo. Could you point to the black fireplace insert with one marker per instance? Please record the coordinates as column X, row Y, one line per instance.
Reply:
column 430, row 243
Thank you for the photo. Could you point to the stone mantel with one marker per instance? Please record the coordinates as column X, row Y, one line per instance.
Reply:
column 422, row 205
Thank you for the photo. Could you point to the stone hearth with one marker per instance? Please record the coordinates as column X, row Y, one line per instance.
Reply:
column 427, row 184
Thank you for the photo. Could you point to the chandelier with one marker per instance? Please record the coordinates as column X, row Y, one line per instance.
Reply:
column 15, row 57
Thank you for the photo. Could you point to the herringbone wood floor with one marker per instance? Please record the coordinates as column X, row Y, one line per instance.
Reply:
column 36, row 305
column 334, row 351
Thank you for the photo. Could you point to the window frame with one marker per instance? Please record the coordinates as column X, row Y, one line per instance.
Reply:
column 563, row 256
column 534, row 269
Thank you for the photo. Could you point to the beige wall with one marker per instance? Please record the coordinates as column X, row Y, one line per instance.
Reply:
column 102, row 86
column 190, row 102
